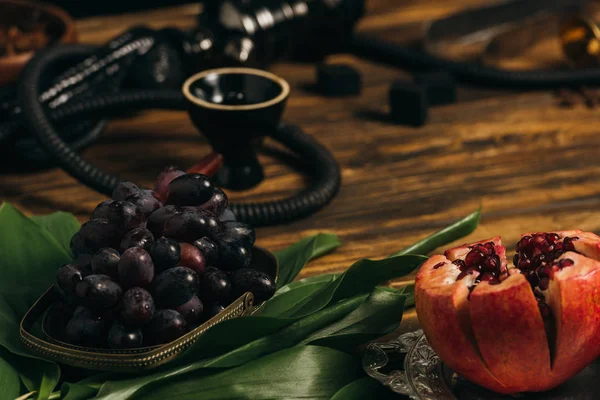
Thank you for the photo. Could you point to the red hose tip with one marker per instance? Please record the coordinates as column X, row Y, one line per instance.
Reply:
column 208, row 166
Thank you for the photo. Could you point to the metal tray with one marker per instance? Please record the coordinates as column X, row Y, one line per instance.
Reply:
column 425, row 377
column 38, row 339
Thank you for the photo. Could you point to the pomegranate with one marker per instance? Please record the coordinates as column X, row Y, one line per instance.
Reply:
column 522, row 328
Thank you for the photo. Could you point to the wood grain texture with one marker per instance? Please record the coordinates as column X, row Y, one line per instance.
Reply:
column 530, row 163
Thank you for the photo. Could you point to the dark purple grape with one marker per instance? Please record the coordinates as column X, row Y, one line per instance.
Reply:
column 213, row 310
column 106, row 262
column 99, row 233
column 156, row 220
column 175, row 286
column 68, row 276
column 233, row 254
column 57, row 317
column 164, row 178
column 86, row 329
column 215, row 286
column 227, row 215
column 192, row 258
column 136, row 268
column 121, row 337
column 165, row 253
column 217, row 203
column 138, row 237
column 101, row 210
column 125, row 215
column 240, row 231
column 164, row 327
column 261, row 285
column 146, row 201
column 124, row 190
column 209, row 249
column 99, row 292
column 190, row 225
column 191, row 310
column 137, row 307
column 190, row 190
column 78, row 247
column 84, row 261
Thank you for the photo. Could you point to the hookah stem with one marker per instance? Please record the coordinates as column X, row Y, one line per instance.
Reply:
column 324, row 168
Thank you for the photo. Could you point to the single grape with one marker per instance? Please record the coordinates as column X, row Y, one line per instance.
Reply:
column 138, row 237
column 57, row 318
column 99, row 233
column 101, row 210
column 164, row 178
column 106, row 262
column 190, row 225
column 209, row 250
column 175, row 286
column 233, row 254
column 215, row 286
column 99, row 292
column 164, row 327
column 146, row 201
column 191, row 310
column 190, row 190
column 165, row 253
column 217, row 203
column 121, row 337
column 136, row 268
column 78, row 246
column 86, row 329
column 240, row 231
column 68, row 276
column 227, row 215
column 124, row 190
column 156, row 220
column 137, row 307
column 125, row 215
column 261, row 285
column 84, row 261
column 213, row 310
column 192, row 258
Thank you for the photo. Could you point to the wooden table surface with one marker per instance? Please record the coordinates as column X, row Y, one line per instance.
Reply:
column 531, row 164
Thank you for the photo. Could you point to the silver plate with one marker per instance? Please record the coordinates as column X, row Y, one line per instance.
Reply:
column 425, row 377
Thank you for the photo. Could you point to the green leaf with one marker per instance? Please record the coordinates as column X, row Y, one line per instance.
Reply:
column 449, row 234
column 297, row 373
column 61, row 225
column 10, row 383
column 363, row 389
column 279, row 340
column 409, row 292
column 379, row 315
column 30, row 258
column 361, row 277
column 295, row 257
column 76, row 391
column 289, row 295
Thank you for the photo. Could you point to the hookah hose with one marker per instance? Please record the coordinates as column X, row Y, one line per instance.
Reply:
column 324, row 168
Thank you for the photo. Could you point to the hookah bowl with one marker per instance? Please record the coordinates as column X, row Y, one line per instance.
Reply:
column 235, row 108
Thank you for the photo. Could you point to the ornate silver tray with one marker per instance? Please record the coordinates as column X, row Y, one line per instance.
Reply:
column 409, row 366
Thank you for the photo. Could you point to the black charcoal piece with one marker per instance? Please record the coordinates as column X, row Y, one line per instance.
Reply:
column 439, row 86
column 408, row 103
column 338, row 80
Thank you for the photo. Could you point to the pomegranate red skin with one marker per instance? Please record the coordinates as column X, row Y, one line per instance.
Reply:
column 495, row 336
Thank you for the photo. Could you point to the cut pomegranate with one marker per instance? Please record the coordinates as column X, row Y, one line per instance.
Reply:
column 527, row 327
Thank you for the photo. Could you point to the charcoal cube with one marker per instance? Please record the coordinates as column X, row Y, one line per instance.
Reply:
column 440, row 87
column 408, row 103
column 338, row 80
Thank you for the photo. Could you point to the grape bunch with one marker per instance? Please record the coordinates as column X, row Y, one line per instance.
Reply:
column 151, row 265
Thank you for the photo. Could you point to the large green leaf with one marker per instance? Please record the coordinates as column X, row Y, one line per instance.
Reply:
column 10, row 383
column 76, row 391
column 303, row 372
column 364, row 389
column 444, row 236
column 294, row 258
column 61, row 225
column 379, row 315
column 361, row 277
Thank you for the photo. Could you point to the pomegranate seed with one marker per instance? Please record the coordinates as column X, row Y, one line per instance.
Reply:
column 538, row 260
column 544, row 282
column 491, row 263
column 552, row 237
column 565, row 262
column 474, row 258
column 525, row 264
column 543, row 272
column 532, row 278
column 440, row 264
column 459, row 263
column 516, row 260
